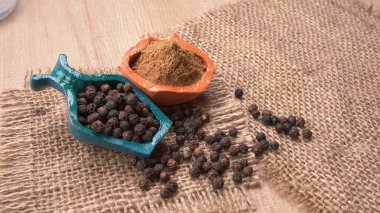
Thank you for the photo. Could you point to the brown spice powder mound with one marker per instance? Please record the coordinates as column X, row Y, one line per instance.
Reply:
column 167, row 63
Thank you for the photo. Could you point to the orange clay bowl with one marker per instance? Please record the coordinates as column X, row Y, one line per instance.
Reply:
column 165, row 94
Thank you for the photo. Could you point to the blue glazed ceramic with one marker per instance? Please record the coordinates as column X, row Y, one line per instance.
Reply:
column 70, row 82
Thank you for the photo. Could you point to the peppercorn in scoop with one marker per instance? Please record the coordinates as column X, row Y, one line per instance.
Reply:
column 116, row 111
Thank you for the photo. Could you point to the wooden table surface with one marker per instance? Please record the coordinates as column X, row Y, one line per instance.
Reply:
column 97, row 33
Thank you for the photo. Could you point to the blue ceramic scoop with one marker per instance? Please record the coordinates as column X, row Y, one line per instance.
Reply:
column 70, row 82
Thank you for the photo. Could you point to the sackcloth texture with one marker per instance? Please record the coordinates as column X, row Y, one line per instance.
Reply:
column 316, row 59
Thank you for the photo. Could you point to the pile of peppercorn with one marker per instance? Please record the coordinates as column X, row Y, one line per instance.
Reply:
column 282, row 124
column 116, row 111
column 187, row 127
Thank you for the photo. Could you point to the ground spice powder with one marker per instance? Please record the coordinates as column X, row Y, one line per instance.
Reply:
column 167, row 63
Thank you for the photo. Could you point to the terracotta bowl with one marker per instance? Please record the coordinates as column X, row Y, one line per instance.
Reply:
column 165, row 94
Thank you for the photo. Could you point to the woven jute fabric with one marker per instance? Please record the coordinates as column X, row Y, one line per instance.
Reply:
column 316, row 59
column 43, row 168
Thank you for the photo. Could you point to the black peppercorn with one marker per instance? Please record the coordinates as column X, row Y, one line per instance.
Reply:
column 145, row 112
column 147, row 136
column 197, row 163
column 217, row 166
column 112, row 92
column 133, row 119
column 117, row 133
column 243, row 148
column 153, row 130
column 90, row 92
column 217, row 147
column 172, row 164
column 99, row 98
column 300, row 122
column 110, row 105
column 113, row 113
column 234, row 150
column 282, row 119
column 292, row 120
column 187, row 155
column 102, row 112
column 124, row 125
column 238, row 92
column 144, row 183
column 93, row 117
column 206, row 167
column 255, row 114
column 209, row 139
column 187, row 112
column 107, row 130
column 129, row 110
column 105, row 88
column 201, row 134
column 201, row 159
column 247, row 171
column 164, row 159
column 252, row 107
column 307, row 134
column 176, row 156
column 198, row 151
column 274, row 145
column 257, row 150
column 232, row 132
column 226, row 142
column 195, row 172
column 266, row 120
column 164, row 176
column 136, row 138
column 225, row 161
column 173, row 147
column 91, row 108
column 205, row 117
column 149, row 173
column 127, row 135
column 172, row 186
column 264, row 145
column 81, row 95
column 273, row 120
column 214, row 156
column 119, row 86
column 287, row 127
column 217, row 183
column 189, row 131
column 266, row 113
column 82, row 110
column 212, row 174
column 260, row 136
column 82, row 120
column 219, row 134
column 123, row 116
column 279, row 128
column 113, row 122
column 127, row 88
column 294, row 133
column 192, row 144
column 180, row 139
column 132, row 160
column 180, row 131
column 81, row 101
column 139, row 129
column 97, row 126
column 165, row 193
column 196, row 124
column 141, row 165
column 237, row 177
column 130, row 99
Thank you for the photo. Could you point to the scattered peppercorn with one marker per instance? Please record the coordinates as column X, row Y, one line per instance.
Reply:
column 232, row 132
column 158, row 168
column 257, row 150
column 264, row 145
column 165, row 193
column 225, row 161
column 274, row 145
column 164, row 176
column 294, row 133
column 279, row 128
column 141, row 165
column 149, row 173
column 234, row 150
column 260, row 136
column 205, row 117
column 237, row 177
column 287, row 127
column 255, row 114
column 219, row 134
column 209, row 139
column 307, row 134
column 117, row 133
column 226, row 142
column 195, row 172
column 201, row 159
column 176, row 156
column 300, row 122
column 236, row 167
column 266, row 120
column 217, row 183
column 214, row 156
column 173, row 147
column 192, row 144
column 292, row 120
column 238, row 92
column 247, row 171
column 282, row 119
column 217, row 147
column 273, row 120
column 266, row 113
column 217, row 166
column 243, row 148
column 172, row 186
column 144, row 183
column 252, row 107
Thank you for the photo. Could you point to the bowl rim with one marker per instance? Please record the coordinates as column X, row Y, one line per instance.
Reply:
column 197, row 87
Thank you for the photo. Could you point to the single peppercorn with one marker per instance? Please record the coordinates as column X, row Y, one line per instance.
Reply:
column 206, row 167
column 294, row 133
column 217, row 183
column 97, row 126
column 273, row 120
column 172, row 186
column 243, row 148
column 201, row 134
column 136, row 138
column 219, row 134
column 143, row 183
column 99, row 99
column 214, row 156
column 176, row 156
column 173, row 147
column 187, row 155
column 158, row 168
column 82, row 120
column 237, row 177
column 133, row 119
column 279, row 128
column 189, row 131
column 234, row 150
column 282, row 119
column 198, row 151
column 172, row 164
column 243, row 162
column 141, row 165
column 82, row 110
column 209, row 139
column 91, row 108
column 226, row 142
column 217, row 147
column 197, row 163
column 127, row 88
column 123, row 116
column 113, row 113
column 232, row 131
column 307, row 134
column 132, row 160
column 257, row 150
column 300, row 122
column 287, row 127
column 238, row 92
column 201, row 159
column 127, row 135
column 266, row 120
column 110, row 105
column 165, row 193
column 119, row 86
column 164, row 176
column 107, row 130
column 148, row 135
column 93, row 117
column 205, row 117
column 212, row 174
column 255, row 114
column 217, row 166
column 292, row 120
column 112, row 92
column 247, row 171
column 180, row 131
column 130, row 99
column 225, row 161
column 124, row 125
column 149, row 173
column 252, row 107
column 260, row 136
column 192, row 144
column 266, row 113
column 105, row 88
column 81, row 101
column 90, row 92
column 274, row 145
column 264, row 145
column 129, row 110
column 113, row 122
column 102, row 112
column 117, row 133
column 195, row 172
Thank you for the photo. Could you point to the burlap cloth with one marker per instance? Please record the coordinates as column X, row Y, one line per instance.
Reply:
column 317, row 59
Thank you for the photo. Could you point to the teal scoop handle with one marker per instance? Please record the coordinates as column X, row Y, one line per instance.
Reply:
column 70, row 82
